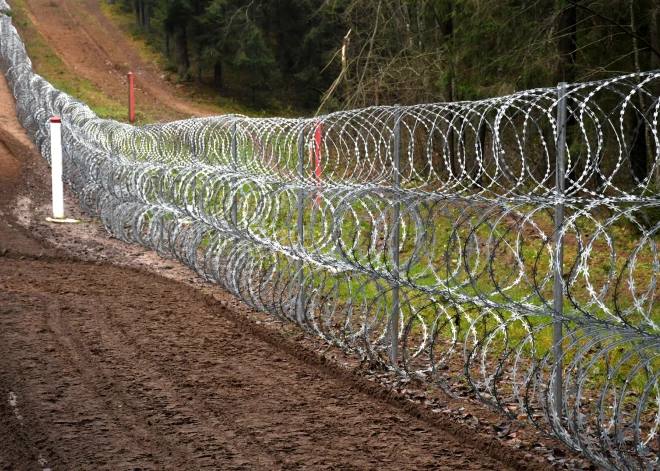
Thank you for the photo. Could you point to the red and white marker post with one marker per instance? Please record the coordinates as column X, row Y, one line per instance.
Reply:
column 56, row 174
column 131, row 98
column 315, row 159
column 56, row 165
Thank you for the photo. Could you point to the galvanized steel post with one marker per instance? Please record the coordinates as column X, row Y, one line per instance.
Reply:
column 234, row 204
column 396, row 309
column 300, row 308
column 560, row 174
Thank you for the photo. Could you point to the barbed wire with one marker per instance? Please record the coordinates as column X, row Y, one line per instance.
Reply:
column 432, row 239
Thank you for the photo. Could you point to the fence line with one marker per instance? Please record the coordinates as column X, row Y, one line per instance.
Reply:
column 507, row 246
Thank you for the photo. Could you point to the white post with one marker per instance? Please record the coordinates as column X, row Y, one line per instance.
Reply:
column 56, row 165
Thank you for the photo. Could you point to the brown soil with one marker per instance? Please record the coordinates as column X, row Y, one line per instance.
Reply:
column 104, row 366
column 113, row 368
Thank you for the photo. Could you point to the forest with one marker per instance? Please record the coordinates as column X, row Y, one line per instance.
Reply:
column 324, row 55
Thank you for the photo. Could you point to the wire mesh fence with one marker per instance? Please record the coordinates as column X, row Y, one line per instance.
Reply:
column 507, row 246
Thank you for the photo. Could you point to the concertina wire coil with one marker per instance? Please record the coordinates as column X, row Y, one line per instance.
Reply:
column 300, row 218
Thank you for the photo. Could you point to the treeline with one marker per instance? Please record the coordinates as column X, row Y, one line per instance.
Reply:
column 260, row 50
column 350, row 53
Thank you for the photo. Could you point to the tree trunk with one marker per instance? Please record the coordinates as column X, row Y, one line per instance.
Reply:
column 451, row 85
column 655, row 65
column 567, row 44
column 137, row 6
column 655, row 6
column 346, row 42
column 217, row 74
column 200, row 70
column 451, row 144
column 147, row 16
column 567, row 72
column 638, row 149
column 181, row 42
column 406, row 23
column 166, row 44
column 421, row 24
column 480, row 156
column 638, row 154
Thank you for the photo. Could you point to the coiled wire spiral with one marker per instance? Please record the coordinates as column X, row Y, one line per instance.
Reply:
column 444, row 210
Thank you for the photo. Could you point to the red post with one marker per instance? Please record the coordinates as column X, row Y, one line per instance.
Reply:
column 315, row 157
column 131, row 98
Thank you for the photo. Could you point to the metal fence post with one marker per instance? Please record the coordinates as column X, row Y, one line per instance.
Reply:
column 559, row 248
column 394, row 315
column 300, row 308
column 234, row 203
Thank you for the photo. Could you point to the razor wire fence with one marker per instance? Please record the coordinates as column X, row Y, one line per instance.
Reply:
column 507, row 246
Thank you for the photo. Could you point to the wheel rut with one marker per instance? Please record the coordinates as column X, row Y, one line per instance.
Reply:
column 129, row 369
column 130, row 419
column 154, row 395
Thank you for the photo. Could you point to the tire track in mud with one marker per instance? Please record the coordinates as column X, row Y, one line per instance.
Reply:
column 17, row 449
column 154, row 399
column 58, row 402
column 186, row 417
column 189, row 382
column 131, row 421
column 231, row 376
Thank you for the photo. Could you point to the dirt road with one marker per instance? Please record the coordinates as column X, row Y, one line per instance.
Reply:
column 107, row 368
